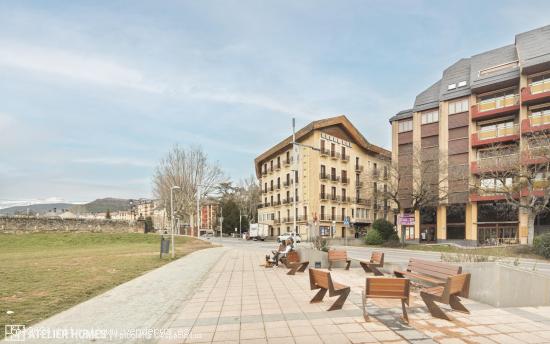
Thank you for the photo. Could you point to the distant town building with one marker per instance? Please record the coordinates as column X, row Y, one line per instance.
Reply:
column 210, row 211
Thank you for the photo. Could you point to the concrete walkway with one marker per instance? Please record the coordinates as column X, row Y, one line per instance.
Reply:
column 243, row 302
column 145, row 302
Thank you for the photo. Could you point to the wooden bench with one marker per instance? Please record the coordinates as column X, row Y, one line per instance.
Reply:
column 293, row 263
column 387, row 288
column 338, row 256
column 427, row 271
column 319, row 279
column 448, row 294
column 376, row 261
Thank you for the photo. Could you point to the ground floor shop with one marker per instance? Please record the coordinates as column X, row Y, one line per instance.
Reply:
column 474, row 224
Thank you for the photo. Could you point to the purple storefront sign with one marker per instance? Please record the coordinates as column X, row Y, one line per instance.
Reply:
column 406, row 220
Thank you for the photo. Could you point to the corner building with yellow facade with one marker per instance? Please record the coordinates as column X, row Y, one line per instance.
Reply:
column 337, row 180
column 501, row 96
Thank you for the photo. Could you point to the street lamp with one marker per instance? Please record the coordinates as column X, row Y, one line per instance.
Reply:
column 175, row 187
column 198, row 196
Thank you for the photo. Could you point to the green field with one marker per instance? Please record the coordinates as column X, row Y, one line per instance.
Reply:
column 44, row 273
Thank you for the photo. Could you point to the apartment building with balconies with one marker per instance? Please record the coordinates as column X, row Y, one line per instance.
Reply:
column 331, row 180
column 481, row 115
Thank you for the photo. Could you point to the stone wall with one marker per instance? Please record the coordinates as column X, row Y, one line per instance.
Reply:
column 9, row 224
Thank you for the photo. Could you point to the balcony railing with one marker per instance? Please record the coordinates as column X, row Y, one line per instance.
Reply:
column 344, row 157
column 495, row 134
column 264, row 172
column 276, row 203
column 301, row 218
column 325, row 217
column 358, row 184
column 538, row 121
column 358, row 168
column 324, row 176
column 277, row 167
column 288, row 200
column 324, row 152
column 288, row 219
column 496, row 163
column 277, row 221
column 498, row 103
column 375, row 173
column 334, row 178
column 334, row 155
column 287, row 162
column 287, row 184
column 323, row 196
column 278, row 187
column 345, row 180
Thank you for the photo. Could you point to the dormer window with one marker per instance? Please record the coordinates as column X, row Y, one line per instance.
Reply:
column 406, row 125
column 451, row 87
column 462, row 84
column 430, row 117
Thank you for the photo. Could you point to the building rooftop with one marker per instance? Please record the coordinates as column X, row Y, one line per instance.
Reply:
column 488, row 70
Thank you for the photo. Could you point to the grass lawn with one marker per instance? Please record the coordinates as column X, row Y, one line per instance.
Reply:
column 44, row 273
column 520, row 251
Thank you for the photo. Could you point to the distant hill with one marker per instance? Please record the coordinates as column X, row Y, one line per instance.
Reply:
column 101, row 205
column 35, row 208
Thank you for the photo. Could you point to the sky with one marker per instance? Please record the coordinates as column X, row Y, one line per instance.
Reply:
column 94, row 93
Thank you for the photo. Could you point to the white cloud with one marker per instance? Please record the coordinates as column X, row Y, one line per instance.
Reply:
column 113, row 161
column 73, row 65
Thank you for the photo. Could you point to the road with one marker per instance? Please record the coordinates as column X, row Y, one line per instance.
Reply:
column 393, row 255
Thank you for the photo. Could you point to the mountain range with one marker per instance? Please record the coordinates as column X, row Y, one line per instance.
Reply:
column 98, row 206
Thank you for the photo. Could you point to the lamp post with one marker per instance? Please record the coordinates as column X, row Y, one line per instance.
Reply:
column 198, row 220
column 175, row 187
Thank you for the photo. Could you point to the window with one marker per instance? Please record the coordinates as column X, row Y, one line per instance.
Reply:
column 495, row 183
column 404, row 126
column 430, row 117
column 458, row 106
column 462, row 83
column 451, row 86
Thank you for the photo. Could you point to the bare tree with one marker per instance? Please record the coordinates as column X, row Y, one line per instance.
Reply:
column 187, row 168
column 249, row 197
column 520, row 177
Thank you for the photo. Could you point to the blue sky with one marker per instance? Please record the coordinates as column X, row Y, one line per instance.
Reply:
column 94, row 93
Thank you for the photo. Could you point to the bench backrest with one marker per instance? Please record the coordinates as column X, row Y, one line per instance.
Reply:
column 458, row 285
column 388, row 287
column 293, row 257
column 337, row 255
column 435, row 269
column 377, row 258
column 319, row 279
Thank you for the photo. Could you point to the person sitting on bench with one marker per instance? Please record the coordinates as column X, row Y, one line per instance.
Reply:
column 283, row 250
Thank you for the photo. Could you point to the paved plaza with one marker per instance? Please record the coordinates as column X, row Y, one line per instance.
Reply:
column 224, row 295
column 242, row 302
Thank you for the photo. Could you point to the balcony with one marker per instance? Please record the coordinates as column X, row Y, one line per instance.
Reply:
column 333, row 197
column 485, row 195
column 334, row 178
column 495, row 135
column 278, row 187
column 358, row 168
column 288, row 200
column 288, row 219
column 301, row 218
column 344, row 157
column 344, row 199
column 345, row 180
column 494, row 164
column 325, row 217
column 288, row 183
column 324, row 151
column 334, row 155
column 270, row 170
column 539, row 122
column 276, row 203
column 287, row 162
column 264, row 172
column 495, row 107
column 536, row 92
column 323, row 196
column 271, row 188
column 324, row 176
column 277, row 221
column 278, row 167
column 358, row 185
column 535, row 155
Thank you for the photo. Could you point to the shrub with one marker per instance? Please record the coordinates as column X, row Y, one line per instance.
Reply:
column 373, row 238
column 385, row 228
column 542, row 245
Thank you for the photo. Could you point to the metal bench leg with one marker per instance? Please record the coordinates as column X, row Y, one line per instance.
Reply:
column 347, row 266
column 434, row 309
column 340, row 301
column 365, row 267
column 364, row 299
column 303, row 267
column 292, row 269
column 319, row 296
column 376, row 271
column 405, row 315
column 456, row 305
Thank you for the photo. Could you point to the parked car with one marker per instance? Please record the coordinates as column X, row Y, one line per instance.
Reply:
column 288, row 235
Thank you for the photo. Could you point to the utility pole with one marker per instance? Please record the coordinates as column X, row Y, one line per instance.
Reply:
column 240, row 224
column 197, row 221
column 295, row 169
column 172, row 218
